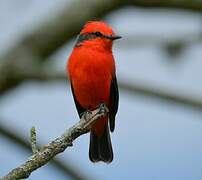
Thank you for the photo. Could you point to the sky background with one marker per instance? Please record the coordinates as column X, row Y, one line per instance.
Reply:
column 153, row 139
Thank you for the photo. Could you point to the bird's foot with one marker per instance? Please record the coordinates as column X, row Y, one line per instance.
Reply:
column 102, row 108
column 86, row 114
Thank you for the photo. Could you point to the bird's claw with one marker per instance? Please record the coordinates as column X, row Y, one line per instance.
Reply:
column 86, row 114
column 102, row 108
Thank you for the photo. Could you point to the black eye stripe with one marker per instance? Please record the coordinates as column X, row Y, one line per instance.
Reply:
column 83, row 37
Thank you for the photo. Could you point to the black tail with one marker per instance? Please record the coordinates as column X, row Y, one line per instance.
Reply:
column 100, row 147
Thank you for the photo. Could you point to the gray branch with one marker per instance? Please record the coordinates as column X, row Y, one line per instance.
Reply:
column 33, row 140
column 57, row 146
column 133, row 88
column 59, row 165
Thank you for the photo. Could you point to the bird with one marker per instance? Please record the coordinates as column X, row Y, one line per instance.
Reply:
column 92, row 74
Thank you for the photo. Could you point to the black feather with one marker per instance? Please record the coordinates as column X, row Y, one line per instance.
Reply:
column 79, row 108
column 105, row 146
column 114, row 102
column 101, row 147
column 93, row 148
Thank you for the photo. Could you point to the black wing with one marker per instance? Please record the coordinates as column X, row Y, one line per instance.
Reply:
column 79, row 108
column 114, row 102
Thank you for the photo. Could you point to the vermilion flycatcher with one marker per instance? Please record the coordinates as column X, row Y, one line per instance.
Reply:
column 91, row 69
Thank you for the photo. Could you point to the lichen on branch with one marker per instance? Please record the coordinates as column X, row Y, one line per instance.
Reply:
column 47, row 152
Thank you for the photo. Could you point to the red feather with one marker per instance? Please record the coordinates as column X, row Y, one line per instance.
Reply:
column 91, row 69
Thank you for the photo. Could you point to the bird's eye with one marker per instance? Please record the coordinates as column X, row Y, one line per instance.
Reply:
column 98, row 34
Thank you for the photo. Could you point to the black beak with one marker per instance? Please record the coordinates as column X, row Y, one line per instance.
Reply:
column 113, row 37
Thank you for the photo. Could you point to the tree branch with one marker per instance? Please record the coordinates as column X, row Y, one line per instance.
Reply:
column 33, row 140
column 163, row 94
column 62, row 167
column 132, row 88
column 58, row 145
column 194, row 5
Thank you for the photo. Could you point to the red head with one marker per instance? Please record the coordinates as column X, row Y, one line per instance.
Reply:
column 96, row 34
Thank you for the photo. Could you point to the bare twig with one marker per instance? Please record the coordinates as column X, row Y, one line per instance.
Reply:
column 33, row 140
column 59, row 165
column 57, row 146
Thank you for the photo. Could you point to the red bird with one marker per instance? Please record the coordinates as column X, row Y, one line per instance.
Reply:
column 91, row 70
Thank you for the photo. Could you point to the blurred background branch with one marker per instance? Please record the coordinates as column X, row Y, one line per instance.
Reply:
column 132, row 88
